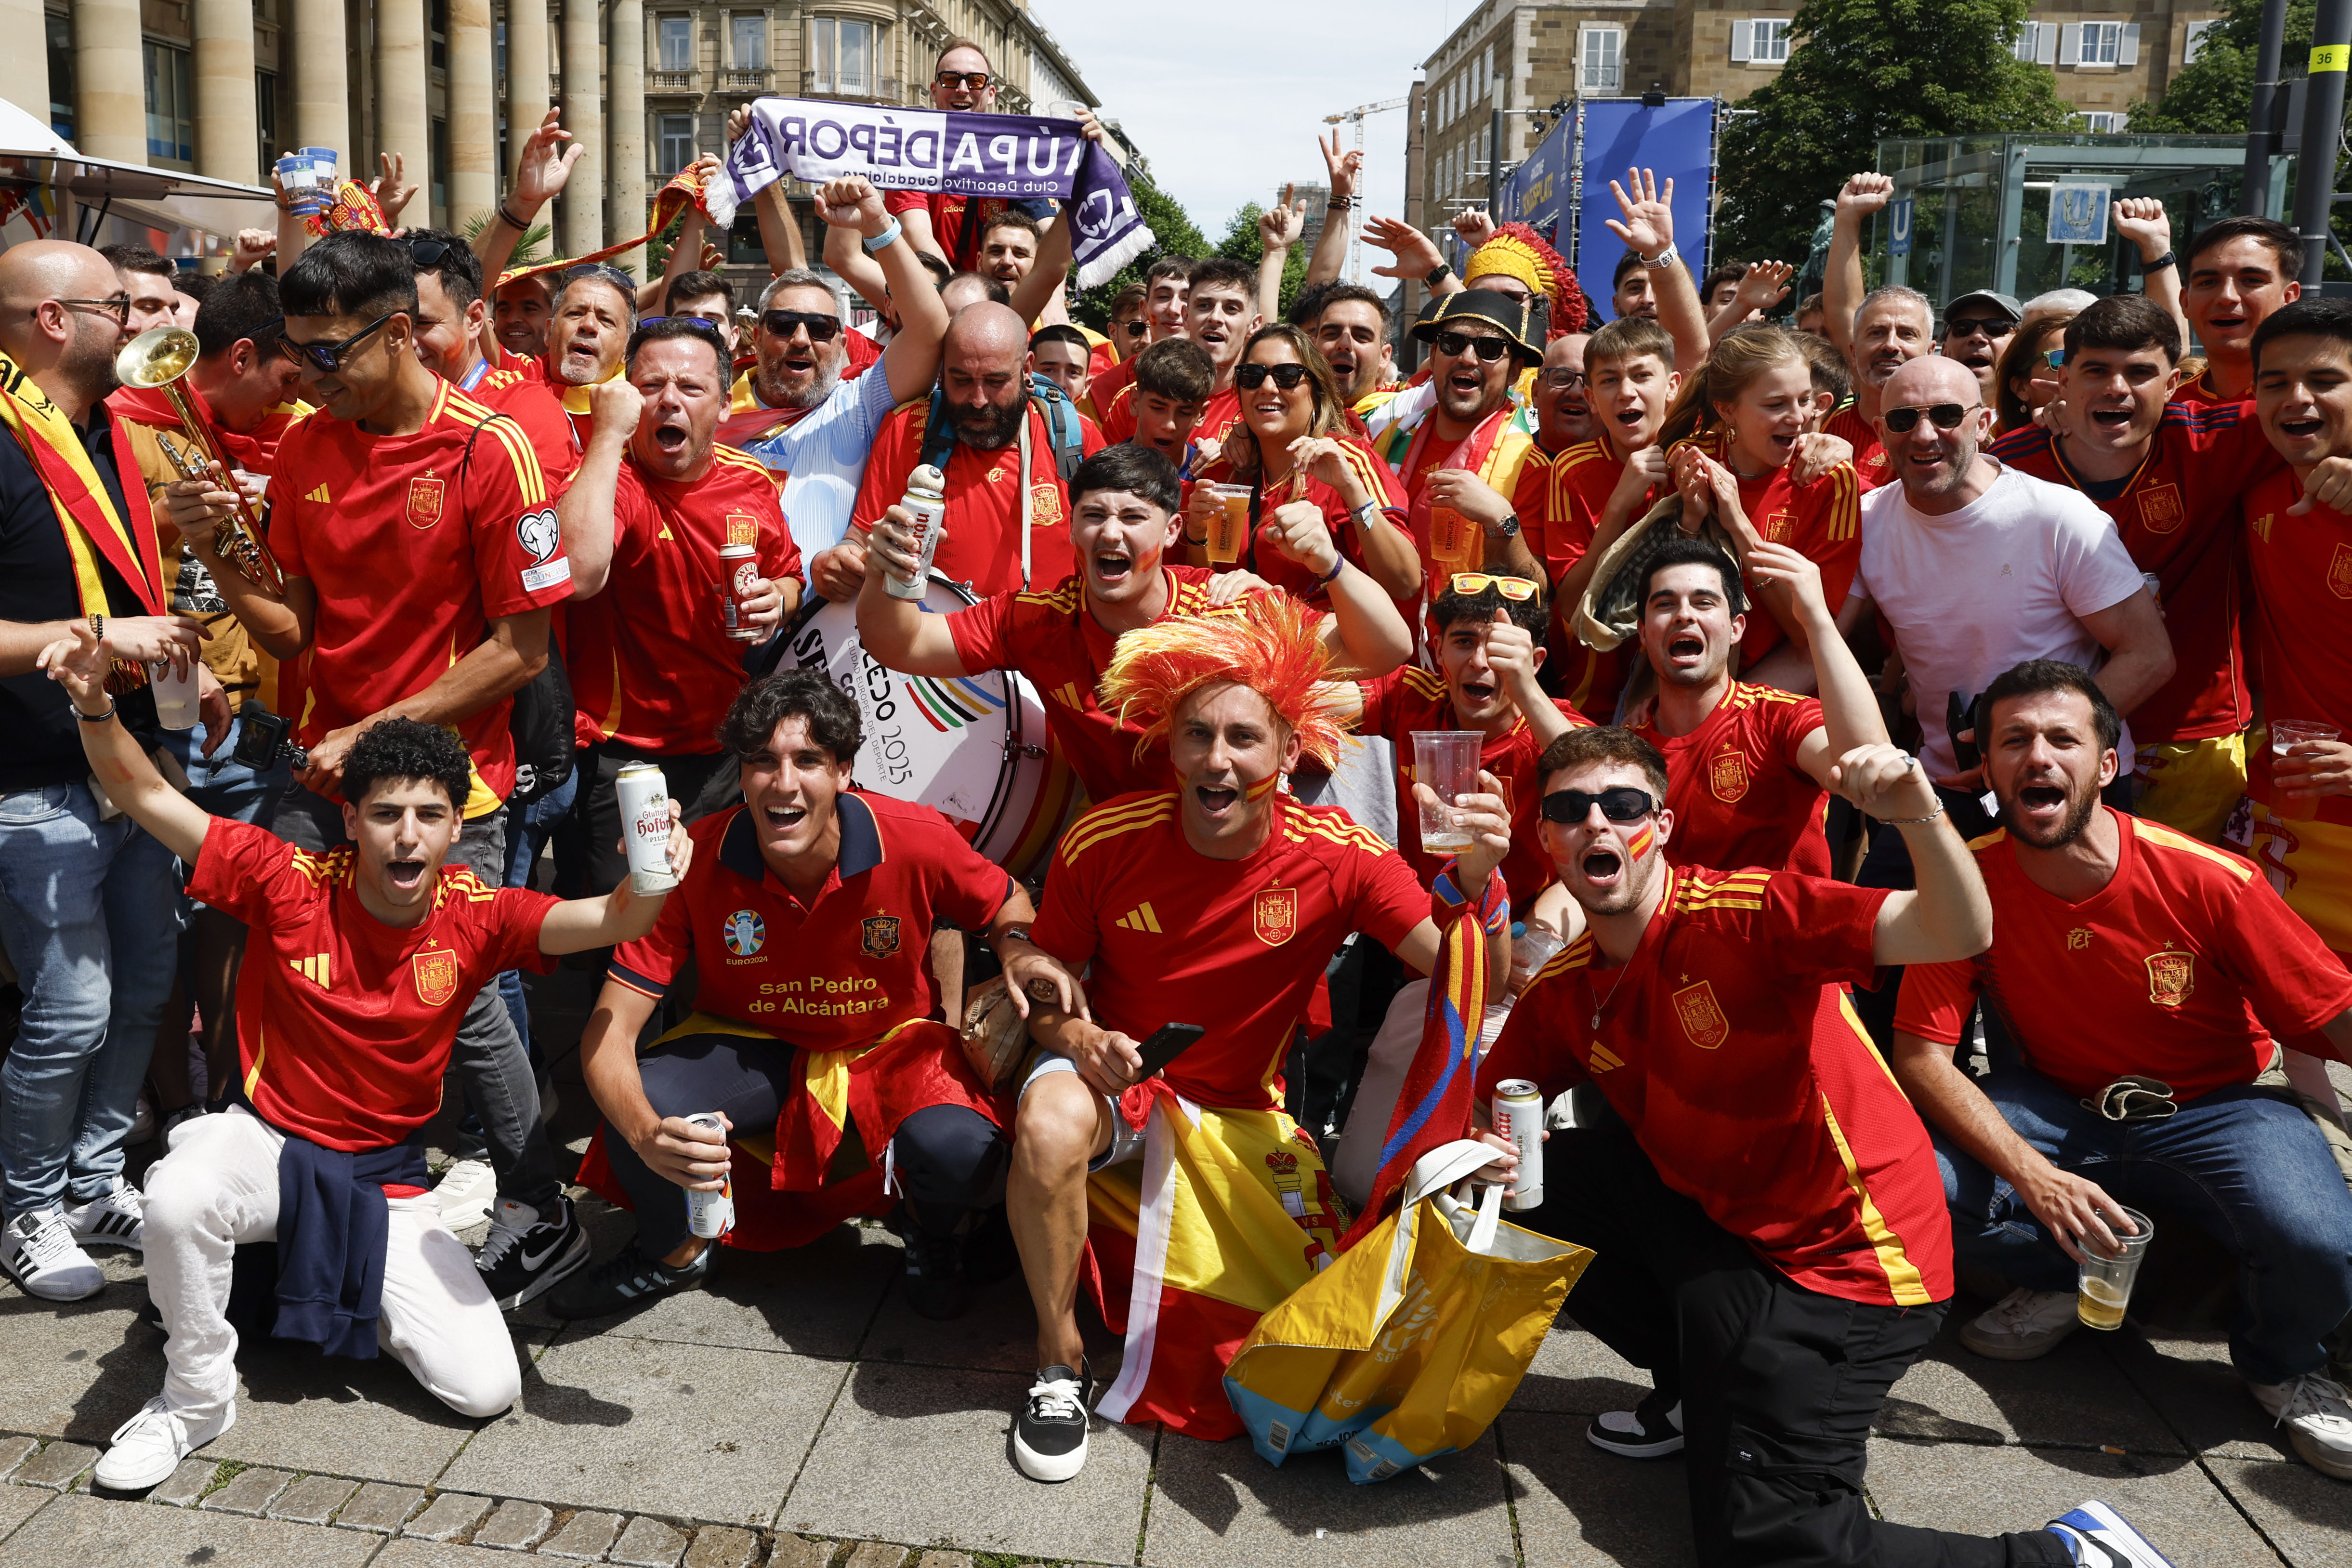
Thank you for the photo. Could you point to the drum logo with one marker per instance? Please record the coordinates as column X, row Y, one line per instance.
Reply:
column 880, row 935
column 423, row 502
column 2160, row 511
column 747, row 934
column 1727, row 776
column 2339, row 572
column 1701, row 1019
column 437, row 975
column 2171, row 976
column 1273, row 917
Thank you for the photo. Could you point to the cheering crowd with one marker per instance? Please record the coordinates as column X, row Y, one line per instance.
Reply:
column 1911, row 822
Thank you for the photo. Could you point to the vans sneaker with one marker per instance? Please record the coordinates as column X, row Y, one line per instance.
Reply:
column 1049, row 1435
column 1651, row 1430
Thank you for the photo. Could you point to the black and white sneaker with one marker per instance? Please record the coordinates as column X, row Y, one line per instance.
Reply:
column 2099, row 1537
column 116, row 1218
column 1049, row 1436
column 1651, row 1430
column 629, row 1278
column 934, row 1278
column 524, row 1255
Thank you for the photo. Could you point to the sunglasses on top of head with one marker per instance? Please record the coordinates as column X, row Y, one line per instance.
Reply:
column 1619, row 803
column 822, row 327
column 1456, row 345
column 1250, row 377
column 1943, row 415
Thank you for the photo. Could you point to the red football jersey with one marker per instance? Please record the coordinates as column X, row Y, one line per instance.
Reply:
column 1218, row 416
column 1738, row 795
column 958, row 221
column 1236, row 945
column 1822, row 522
column 1410, row 698
column 343, row 1023
column 1106, row 384
column 1870, row 464
column 1795, row 1137
column 414, row 543
column 656, row 669
column 1265, row 558
column 2201, row 393
column 2178, row 515
column 1559, row 505
column 535, row 407
column 979, row 541
column 834, row 973
column 2302, row 578
column 2183, row 967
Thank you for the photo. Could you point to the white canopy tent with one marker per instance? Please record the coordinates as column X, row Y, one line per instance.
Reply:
column 33, row 155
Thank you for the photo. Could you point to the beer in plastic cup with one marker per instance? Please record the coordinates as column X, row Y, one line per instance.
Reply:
column 2285, row 735
column 1447, row 762
column 2104, row 1284
column 1452, row 537
column 175, row 695
column 1230, row 526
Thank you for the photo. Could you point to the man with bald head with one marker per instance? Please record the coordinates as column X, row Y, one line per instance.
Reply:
column 1005, row 529
column 88, row 904
column 1978, row 567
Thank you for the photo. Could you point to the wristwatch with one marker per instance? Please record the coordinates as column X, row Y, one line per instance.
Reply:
column 1665, row 258
column 1019, row 933
column 1507, row 528
column 1438, row 274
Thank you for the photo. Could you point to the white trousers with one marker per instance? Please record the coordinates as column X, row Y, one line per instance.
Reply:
column 1357, row 1164
column 217, row 1189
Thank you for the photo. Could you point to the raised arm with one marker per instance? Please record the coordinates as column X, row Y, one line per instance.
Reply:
column 780, row 237
column 1488, row 816
column 2144, row 222
column 1365, row 634
column 78, row 663
column 1648, row 231
column 1033, row 297
column 541, row 171
column 585, row 508
column 896, row 632
column 685, row 251
column 1842, row 281
column 1764, row 285
column 1340, row 172
column 577, row 925
column 1416, row 254
column 1949, row 916
column 849, row 260
column 1850, row 715
column 1278, row 228
column 852, row 206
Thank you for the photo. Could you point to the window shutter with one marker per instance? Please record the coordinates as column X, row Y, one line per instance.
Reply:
column 2128, row 54
column 2192, row 42
column 2070, row 43
column 1743, row 36
column 2045, row 43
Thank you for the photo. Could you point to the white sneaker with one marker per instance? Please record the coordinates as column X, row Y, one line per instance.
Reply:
column 466, row 1190
column 146, row 1450
column 2317, row 1415
column 114, row 1219
column 39, row 1250
column 2024, row 1325
column 2099, row 1537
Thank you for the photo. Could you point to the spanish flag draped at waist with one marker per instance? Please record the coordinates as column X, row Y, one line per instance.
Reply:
column 788, row 1190
column 95, row 530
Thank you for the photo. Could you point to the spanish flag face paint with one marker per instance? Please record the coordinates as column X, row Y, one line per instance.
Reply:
column 1263, row 787
column 1639, row 845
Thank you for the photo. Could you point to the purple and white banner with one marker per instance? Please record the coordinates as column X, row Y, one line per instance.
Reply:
column 1009, row 155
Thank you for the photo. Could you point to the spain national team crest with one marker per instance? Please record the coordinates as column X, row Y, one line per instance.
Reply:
column 423, row 502
column 747, row 934
column 1701, row 1019
column 2171, row 976
column 1273, row 917
column 2160, row 511
column 742, row 528
column 437, row 975
column 1776, row 527
column 1727, row 776
column 879, row 935
column 1044, row 506
column 2339, row 572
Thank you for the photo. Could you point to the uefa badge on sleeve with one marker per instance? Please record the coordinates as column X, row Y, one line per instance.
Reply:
column 540, row 534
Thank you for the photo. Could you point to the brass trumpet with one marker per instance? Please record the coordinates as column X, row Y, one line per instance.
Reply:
column 161, row 358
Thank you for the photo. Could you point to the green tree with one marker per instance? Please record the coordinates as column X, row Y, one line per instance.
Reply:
column 1859, row 72
column 1242, row 244
column 2211, row 94
column 1173, row 233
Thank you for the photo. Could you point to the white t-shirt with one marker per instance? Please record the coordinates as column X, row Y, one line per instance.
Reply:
column 823, row 456
column 2004, row 579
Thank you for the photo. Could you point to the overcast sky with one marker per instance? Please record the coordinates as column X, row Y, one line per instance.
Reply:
column 1226, row 97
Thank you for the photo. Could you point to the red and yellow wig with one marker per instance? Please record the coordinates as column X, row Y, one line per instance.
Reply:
column 1266, row 642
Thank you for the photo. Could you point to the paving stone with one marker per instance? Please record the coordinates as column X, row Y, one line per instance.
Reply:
column 997, row 1333
column 313, row 1499
column 1576, row 1504
column 187, row 1483
column 943, row 1560
column 2190, row 1381
column 2304, row 1513
column 1218, row 1504
column 638, row 1425
column 410, row 1553
column 249, row 1492
column 12, row 1449
column 79, row 1369
column 2073, row 1397
column 924, row 1454
column 56, row 1466
column 378, row 1508
column 875, row 1554
column 647, row 1543
column 516, row 1526
column 724, row 1546
column 1575, row 1373
column 584, row 1539
column 799, row 1552
column 448, row 1516
column 18, row 1504
column 77, row 1530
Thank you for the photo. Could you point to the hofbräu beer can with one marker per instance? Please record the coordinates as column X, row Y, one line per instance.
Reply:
column 711, row 1215
column 738, row 569
column 1519, row 1116
column 645, row 827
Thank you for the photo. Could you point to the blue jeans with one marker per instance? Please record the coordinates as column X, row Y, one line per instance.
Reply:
column 2241, row 1165
column 90, row 913
column 221, row 784
column 529, row 825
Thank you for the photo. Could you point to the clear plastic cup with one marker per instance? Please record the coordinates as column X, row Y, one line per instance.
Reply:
column 1530, row 950
column 1231, row 525
column 2285, row 735
column 1452, row 538
column 175, row 696
column 2103, row 1285
column 1447, row 762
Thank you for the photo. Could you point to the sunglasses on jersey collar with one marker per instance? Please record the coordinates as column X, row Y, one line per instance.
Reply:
column 1619, row 803
column 821, row 327
column 1250, row 377
column 1944, row 416
column 1515, row 589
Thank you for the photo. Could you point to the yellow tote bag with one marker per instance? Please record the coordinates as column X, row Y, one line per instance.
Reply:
column 1409, row 1344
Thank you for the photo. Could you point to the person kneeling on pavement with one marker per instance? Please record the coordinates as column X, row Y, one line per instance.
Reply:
column 2147, row 979
column 804, row 922
column 364, row 960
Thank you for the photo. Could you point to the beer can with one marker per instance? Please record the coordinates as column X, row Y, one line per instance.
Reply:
column 927, row 510
column 1519, row 1116
column 645, row 827
column 738, row 567
column 711, row 1215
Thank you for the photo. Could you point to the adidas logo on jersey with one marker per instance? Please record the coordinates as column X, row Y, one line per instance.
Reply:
column 1603, row 1059
column 317, row 969
column 319, row 495
column 1139, row 918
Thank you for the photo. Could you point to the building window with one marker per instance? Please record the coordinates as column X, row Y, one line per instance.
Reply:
column 2101, row 43
column 439, row 158
column 2104, row 123
column 437, row 23
column 265, row 115
column 2029, row 35
column 1602, row 56
column 676, row 37
column 1771, row 44
column 2192, row 41
column 498, row 49
column 750, row 41
column 61, row 76
column 675, row 137
column 170, row 105
column 843, row 58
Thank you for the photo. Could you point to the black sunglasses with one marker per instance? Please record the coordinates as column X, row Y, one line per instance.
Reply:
column 428, row 254
column 117, row 306
column 1619, row 803
column 325, row 357
column 1946, row 417
column 1456, row 345
column 821, row 327
column 1134, row 328
column 1250, row 377
column 1969, row 326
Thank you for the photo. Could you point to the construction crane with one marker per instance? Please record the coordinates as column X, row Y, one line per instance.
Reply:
column 1355, row 228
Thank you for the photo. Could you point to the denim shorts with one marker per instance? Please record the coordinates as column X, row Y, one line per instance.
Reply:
column 1125, row 1142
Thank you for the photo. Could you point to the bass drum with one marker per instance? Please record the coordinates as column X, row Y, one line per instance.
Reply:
column 973, row 748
